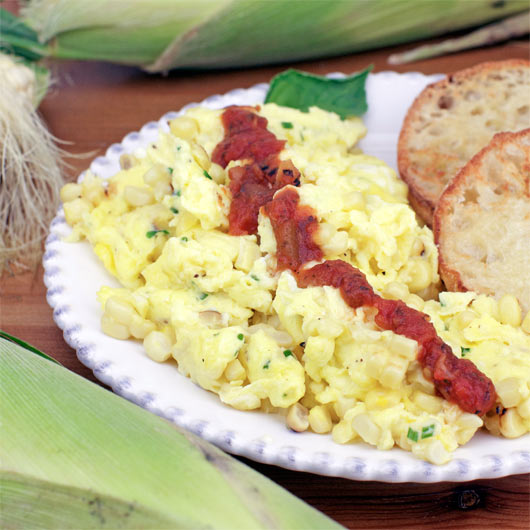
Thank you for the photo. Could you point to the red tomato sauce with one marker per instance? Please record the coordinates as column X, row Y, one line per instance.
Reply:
column 293, row 226
column 254, row 184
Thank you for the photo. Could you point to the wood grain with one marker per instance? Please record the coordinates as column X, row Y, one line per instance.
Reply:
column 93, row 105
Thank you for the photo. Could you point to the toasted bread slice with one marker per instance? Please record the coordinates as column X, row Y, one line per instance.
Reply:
column 451, row 120
column 482, row 222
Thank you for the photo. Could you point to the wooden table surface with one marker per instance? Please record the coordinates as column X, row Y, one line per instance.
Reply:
column 93, row 105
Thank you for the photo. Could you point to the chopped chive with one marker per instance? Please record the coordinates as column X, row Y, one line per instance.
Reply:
column 206, row 174
column 412, row 434
column 254, row 277
column 266, row 365
column 177, row 193
column 174, row 210
column 287, row 125
column 179, row 147
column 465, row 351
column 288, row 353
column 240, row 336
column 152, row 233
column 442, row 303
column 427, row 432
column 202, row 296
column 170, row 169
column 184, row 239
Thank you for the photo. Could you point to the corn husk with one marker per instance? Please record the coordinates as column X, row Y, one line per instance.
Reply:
column 73, row 455
column 160, row 35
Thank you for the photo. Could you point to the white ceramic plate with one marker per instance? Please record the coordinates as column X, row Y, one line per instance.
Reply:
column 73, row 275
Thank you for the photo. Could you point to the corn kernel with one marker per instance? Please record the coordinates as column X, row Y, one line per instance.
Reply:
column 158, row 173
column 200, row 156
column 137, row 196
column 158, row 346
column 393, row 374
column 420, row 275
column 396, row 291
column 71, row 191
column 342, row 433
column 524, row 408
column 297, row 418
column 75, row 210
column 375, row 364
column 431, row 404
column 465, row 318
column 184, row 127
column 436, row 453
column 511, row 424
column 366, row 428
column 509, row 392
column 217, row 173
column 114, row 329
column 320, row 419
column 127, row 161
column 486, row 305
column 509, row 310
column 235, row 371
column 119, row 310
column 140, row 327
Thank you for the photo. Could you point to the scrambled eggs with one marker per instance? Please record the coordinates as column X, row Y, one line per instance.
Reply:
column 216, row 304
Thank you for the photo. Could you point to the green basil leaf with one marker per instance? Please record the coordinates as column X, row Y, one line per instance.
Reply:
column 300, row 90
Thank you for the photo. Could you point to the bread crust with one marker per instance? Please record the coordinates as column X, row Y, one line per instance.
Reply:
column 425, row 162
column 499, row 191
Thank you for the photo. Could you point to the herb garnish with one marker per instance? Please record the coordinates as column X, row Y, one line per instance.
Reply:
column 288, row 353
column 287, row 125
column 152, row 233
column 206, row 174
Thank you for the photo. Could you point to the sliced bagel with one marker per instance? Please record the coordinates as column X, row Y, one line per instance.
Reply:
column 451, row 120
column 482, row 222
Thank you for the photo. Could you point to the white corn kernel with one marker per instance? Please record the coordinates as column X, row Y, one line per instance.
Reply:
column 375, row 364
column 509, row 392
column 366, row 428
column 71, row 191
column 396, row 291
column 75, row 210
column 120, row 310
column 161, row 189
column 217, row 173
column 393, row 374
column 512, row 425
column 526, row 323
column 158, row 173
column 342, row 405
column 184, row 127
column 415, row 301
column 417, row 247
column 297, row 418
column 486, row 305
column 524, row 408
column 94, row 193
column 137, row 196
column 431, row 404
column 420, row 275
column 465, row 318
column 342, row 433
column 235, row 371
column 114, row 329
column 158, row 346
column 436, row 453
column 509, row 310
column 200, row 156
column 320, row 419
column 140, row 327
column 127, row 161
